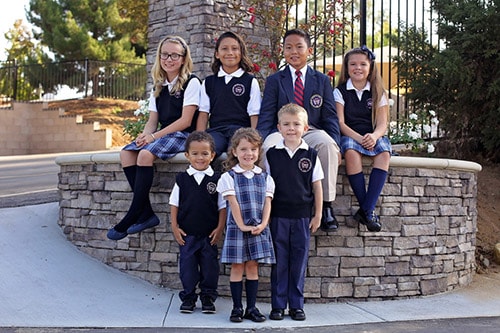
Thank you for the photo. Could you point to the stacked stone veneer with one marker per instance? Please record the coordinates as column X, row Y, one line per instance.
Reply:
column 426, row 246
column 32, row 128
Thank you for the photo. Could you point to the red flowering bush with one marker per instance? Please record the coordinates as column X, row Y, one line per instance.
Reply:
column 270, row 19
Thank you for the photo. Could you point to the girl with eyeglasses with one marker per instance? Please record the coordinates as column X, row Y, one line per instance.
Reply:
column 173, row 108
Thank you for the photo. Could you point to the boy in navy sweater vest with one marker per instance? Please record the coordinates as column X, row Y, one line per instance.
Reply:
column 198, row 216
column 296, row 210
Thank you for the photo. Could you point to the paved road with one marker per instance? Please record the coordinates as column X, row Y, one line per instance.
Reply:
column 29, row 179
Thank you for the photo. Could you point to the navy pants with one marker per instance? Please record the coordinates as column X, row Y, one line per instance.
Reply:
column 222, row 137
column 291, row 246
column 198, row 266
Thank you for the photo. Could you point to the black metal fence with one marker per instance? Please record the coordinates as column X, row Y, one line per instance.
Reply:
column 26, row 82
column 384, row 23
column 383, row 26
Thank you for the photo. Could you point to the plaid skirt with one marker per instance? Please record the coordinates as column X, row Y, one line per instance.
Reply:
column 383, row 144
column 240, row 247
column 165, row 147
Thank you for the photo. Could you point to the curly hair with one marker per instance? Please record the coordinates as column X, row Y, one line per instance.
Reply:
column 159, row 75
column 247, row 133
column 200, row 136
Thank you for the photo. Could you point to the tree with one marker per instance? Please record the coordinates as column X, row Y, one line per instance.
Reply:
column 23, row 51
column 136, row 15
column 93, row 29
column 461, row 81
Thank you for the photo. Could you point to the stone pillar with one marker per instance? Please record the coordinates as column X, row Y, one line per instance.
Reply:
column 199, row 23
column 196, row 21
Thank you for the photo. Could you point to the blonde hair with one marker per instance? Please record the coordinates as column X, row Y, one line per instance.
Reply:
column 376, row 83
column 159, row 75
column 293, row 109
column 247, row 133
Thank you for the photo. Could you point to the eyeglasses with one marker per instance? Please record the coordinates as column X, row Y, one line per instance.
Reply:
column 173, row 56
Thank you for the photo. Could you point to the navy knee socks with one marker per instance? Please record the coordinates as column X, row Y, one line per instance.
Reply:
column 367, row 199
column 147, row 212
column 357, row 182
column 140, row 202
column 375, row 186
column 237, row 293
column 251, row 288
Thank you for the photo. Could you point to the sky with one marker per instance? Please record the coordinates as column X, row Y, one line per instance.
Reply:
column 8, row 15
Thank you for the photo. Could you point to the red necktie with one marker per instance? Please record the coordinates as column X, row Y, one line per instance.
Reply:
column 299, row 89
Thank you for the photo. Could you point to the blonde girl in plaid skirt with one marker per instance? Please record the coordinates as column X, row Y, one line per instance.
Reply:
column 173, row 106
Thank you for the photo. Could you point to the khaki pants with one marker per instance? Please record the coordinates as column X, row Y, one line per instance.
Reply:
column 328, row 153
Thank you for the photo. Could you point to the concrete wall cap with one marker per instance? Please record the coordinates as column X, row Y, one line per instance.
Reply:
column 396, row 161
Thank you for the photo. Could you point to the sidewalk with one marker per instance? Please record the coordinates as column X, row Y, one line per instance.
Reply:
column 47, row 282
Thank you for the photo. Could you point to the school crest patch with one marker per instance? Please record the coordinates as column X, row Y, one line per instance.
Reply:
column 305, row 165
column 178, row 94
column 369, row 103
column 238, row 89
column 211, row 187
column 316, row 101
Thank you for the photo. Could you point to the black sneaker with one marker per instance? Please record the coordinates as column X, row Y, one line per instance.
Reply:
column 188, row 306
column 207, row 305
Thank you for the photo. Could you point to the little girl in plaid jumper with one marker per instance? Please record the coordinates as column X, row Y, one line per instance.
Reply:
column 248, row 191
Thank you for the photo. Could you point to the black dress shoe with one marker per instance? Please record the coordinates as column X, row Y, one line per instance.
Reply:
column 254, row 315
column 297, row 314
column 371, row 221
column 236, row 315
column 328, row 220
column 277, row 314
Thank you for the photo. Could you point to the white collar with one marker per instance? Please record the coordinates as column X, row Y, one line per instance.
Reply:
column 359, row 93
column 170, row 84
column 238, row 73
column 281, row 145
column 238, row 169
column 208, row 171
column 303, row 70
column 350, row 86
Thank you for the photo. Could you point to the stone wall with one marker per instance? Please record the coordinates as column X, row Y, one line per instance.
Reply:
column 426, row 246
column 33, row 128
column 199, row 23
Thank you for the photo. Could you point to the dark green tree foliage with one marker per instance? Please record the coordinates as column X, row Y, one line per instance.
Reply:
column 469, row 71
column 97, row 30
column 79, row 29
column 461, row 81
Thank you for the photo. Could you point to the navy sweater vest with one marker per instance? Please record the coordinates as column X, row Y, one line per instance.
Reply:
column 170, row 106
column 357, row 114
column 228, row 102
column 198, row 204
column 293, row 196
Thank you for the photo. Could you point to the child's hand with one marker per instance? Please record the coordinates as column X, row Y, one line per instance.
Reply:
column 315, row 223
column 179, row 234
column 369, row 141
column 215, row 236
column 246, row 228
column 141, row 140
column 257, row 229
